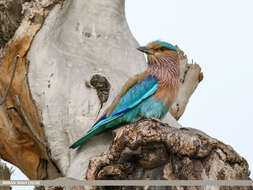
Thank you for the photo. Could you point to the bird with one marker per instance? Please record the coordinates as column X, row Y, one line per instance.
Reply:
column 147, row 95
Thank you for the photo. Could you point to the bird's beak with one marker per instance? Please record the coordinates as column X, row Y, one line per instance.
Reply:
column 145, row 49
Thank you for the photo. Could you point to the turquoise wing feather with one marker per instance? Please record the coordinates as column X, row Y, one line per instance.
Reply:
column 133, row 97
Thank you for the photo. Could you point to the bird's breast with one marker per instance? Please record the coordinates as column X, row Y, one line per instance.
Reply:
column 167, row 94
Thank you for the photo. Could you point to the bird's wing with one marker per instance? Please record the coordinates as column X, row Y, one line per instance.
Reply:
column 133, row 92
column 130, row 83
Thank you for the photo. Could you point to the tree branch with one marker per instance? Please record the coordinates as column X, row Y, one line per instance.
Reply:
column 154, row 150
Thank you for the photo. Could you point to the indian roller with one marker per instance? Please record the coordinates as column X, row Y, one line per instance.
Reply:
column 149, row 94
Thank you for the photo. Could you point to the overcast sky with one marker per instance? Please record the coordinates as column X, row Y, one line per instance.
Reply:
column 218, row 35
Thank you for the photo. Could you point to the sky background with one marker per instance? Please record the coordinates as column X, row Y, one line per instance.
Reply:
column 218, row 35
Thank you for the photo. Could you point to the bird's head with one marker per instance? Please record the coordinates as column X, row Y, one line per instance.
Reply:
column 158, row 49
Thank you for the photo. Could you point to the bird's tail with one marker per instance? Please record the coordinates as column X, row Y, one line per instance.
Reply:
column 93, row 131
column 82, row 140
column 98, row 127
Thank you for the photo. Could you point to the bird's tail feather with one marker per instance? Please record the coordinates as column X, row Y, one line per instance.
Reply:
column 96, row 129
column 83, row 139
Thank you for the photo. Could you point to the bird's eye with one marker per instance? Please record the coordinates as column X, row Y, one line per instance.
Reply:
column 162, row 48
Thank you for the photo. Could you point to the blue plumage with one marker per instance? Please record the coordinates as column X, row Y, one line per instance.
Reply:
column 136, row 104
column 146, row 95
column 137, row 93
column 166, row 44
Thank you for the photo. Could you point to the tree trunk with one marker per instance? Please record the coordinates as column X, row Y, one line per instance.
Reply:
column 74, row 56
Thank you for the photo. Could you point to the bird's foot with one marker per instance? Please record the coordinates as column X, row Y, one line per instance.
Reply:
column 157, row 120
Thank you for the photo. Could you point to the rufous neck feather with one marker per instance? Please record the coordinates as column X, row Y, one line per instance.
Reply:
column 165, row 67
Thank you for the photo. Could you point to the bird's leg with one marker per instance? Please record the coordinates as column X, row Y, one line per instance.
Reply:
column 157, row 120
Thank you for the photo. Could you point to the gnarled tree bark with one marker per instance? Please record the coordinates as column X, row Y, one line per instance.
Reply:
column 5, row 174
column 74, row 56
column 152, row 150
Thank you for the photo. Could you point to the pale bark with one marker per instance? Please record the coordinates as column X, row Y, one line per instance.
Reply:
column 19, row 120
column 73, row 56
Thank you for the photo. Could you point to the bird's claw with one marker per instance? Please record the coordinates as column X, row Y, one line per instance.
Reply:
column 157, row 120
